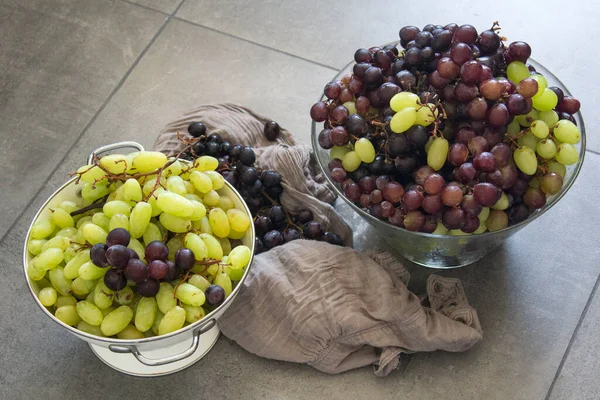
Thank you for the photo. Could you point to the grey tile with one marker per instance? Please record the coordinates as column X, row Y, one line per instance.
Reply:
column 166, row 6
column 59, row 60
column 329, row 32
column 578, row 378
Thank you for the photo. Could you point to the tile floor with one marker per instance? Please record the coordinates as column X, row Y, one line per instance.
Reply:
column 75, row 75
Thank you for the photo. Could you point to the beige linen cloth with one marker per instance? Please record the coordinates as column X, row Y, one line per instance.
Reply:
column 330, row 307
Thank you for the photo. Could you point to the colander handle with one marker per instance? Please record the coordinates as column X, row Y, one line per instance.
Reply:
column 153, row 362
column 114, row 146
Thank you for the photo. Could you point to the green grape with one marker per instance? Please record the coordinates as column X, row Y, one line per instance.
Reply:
column 159, row 317
column 403, row 100
column 205, row 226
column 103, row 296
column 436, row 157
column 138, row 247
column 497, row 220
column 223, row 280
column 211, row 199
column 212, row 246
column 235, row 274
column 117, row 194
column 546, row 101
column 526, row 161
column 60, row 283
column 539, row 129
column 425, row 115
column 82, row 287
column 115, row 207
column 118, row 221
column 516, row 71
column 526, row 119
column 238, row 220
column 89, row 313
column 193, row 313
column 197, row 245
column 567, row 154
column 339, row 152
column 71, row 270
column 34, row 273
column 217, row 179
column 93, row 192
column 89, row 174
column 175, row 185
column 555, row 166
column 174, row 244
column 116, row 320
column 529, row 140
column 85, row 220
column 42, row 228
column 48, row 296
column 535, row 182
column 151, row 184
column 152, row 233
column 542, row 84
column 148, row 161
column 165, row 298
column 102, row 220
column 68, row 205
column 190, row 294
column 206, row 163
column 567, row 132
column 62, row 218
column 502, row 203
column 351, row 161
column 124, row 296
column 351, row 107
column 70, row 252
column 202, row 182
column 35, row 246
column 90, row 298
column 192, row 197
column 551, row 183
column 549, row 117
column 94, row 234
column 139, row 219
column 67, row 315
column 189, row 187
column 175, row 204
column 91, row 329
column 213, row 269
column 114, row 163
column 145, row 313
column 108, row 310
column 172, row 321
column 65, row 300
column 484, row 214
column 481, row 229
column 57, row 242
column 69, row 232
column 239, row 257
column 173, row 169
column 155, row 209
column 130, row 332
column 403, row 119
column 225, row 245
column 219, row 222
column 132, row 191
column 49, row 259
column 513, row 128
column 440, row 229
column 199, row 281
column 199, row 210
column 546, row 149
column 364, row 150
column 225, row 203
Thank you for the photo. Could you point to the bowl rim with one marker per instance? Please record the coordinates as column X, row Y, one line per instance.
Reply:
column 108, row 340
column 374, row 221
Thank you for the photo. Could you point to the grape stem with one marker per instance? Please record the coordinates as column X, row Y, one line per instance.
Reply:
column 99, row 204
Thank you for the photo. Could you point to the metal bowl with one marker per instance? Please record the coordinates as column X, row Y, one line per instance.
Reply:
column 442, row 251
column 153, row 356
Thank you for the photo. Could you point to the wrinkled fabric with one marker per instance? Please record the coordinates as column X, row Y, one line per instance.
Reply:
column 328, row 306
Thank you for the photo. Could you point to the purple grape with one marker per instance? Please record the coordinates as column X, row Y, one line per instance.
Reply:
column 148, row 288
column 114, row 279
column 215, row 295
column 136, row 270
column 118, row 236
column 156, row 250
column 272, row 239
column 157, row 269
column 184, row 259
column 312, row 230
column 117, row 256
column 291, row 234
column 98, row 255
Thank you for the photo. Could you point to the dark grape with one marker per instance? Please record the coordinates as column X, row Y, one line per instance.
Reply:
column 197, row 129
column 247, row 156
column 319, row 112
column 114, row 279
column 117, row 256
column 422, row 173
column 454, row 218
column 502, row 153
column 458, row 154
column 356, row 125
column 262, row 225
column 412, row 200
column 477, row 109
column 478, row 145
column 406, row 163
column 339, row 114
column 519, row 51
column 156, row 250
column 184, row 259
column 373, row 76
column 559, row 93
column 417, row 135
column 405, row 79
column 434, row 183
column 486, row 194
column 215, row 295
column 118, row 236
column 333, row 238
column 386, row 92
column 569, row 104
column 414, row 220
column 312, row 230
column 249, row 176
column 393, row 192
column 133, row 254
column 291, row 234
column 489, row 41
column 432, row 204
column 397, row 144
column 466, row 34
column 461, row 53
column 470, row 206
column 451, row 196
column 471, row 71
column 147, row 288
column 272, row 130
column 534, row 198
column 485, row 162
column 516, row 104
column 499, row 115
column 363, row 56
column 136, row 271
column 412, row 56
column 325, row 139
column 408, row 33
column 339, row 136
column 271, row 178
column 465, row 92
column 272, row 239
column 471, row 224
column 171, row 272
column 98, row 255
column 157, row 269
column 213, row 149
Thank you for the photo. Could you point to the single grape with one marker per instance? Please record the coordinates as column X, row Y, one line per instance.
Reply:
column 114, row 279
column 136, row 270
column 184, row 259
column 451, row 196
column 291, row 234
column 454, row 218
column 333, row 238
column 422, row 173
column 117, row 256
column 412, row 200
column 458, row 154
column 197, row 129
column 551, row 183
column 393, row 192
column 312, row 230
column 156, row 250
column 414, row 220
column 118, row 236
column 98, row 255
column 534, row 198
column 519, row 51
column 247, row 156
column 465, row 33
column 157, row 269
column 319, row 112
column 272, row 239
column 148, row 288
column 485, row 194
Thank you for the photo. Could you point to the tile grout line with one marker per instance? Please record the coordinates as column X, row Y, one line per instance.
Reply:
column 257, row 44
column 92, row 120
column 146, row 7
column 593, row 151
column 572, row 340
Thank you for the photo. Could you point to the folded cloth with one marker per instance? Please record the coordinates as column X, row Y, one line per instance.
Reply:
column 331, row 307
